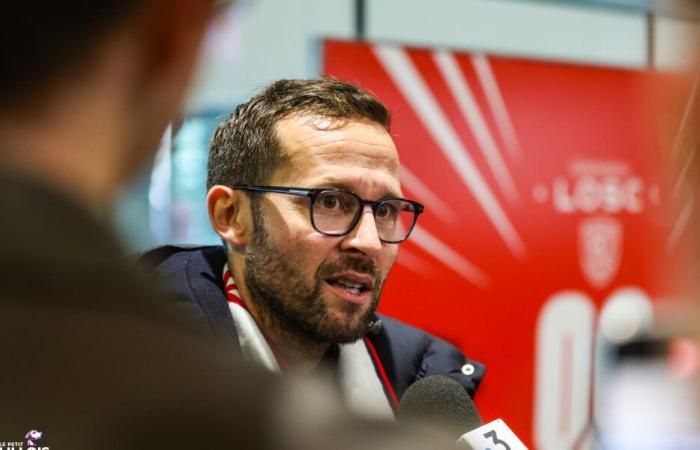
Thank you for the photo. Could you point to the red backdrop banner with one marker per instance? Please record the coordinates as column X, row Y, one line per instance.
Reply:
column 545, row 192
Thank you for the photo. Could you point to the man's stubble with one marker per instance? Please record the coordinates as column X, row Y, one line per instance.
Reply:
column 285, row 299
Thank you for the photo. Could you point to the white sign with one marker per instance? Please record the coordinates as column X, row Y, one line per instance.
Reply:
column 495, row 435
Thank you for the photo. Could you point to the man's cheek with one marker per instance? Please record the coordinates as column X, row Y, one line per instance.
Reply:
column 391, row 260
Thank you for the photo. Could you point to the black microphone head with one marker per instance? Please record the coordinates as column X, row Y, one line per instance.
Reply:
column 442, row 401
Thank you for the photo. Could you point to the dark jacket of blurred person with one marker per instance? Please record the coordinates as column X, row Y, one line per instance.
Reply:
column 91, row 357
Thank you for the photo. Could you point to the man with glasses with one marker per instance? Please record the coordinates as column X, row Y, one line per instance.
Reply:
column 304, row 192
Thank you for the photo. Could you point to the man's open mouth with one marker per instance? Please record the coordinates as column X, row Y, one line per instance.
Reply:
column 353, row 283
column 353, row 288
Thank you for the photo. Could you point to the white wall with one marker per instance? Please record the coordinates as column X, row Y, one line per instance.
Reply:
column 275, row 39
column 280, row 38
column 523, row 28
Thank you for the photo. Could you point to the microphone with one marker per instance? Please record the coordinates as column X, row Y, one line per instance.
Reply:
column 439, row 400
column 374, row 327
column 441, row 403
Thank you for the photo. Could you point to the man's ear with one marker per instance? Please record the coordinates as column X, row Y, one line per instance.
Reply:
column 230, row 215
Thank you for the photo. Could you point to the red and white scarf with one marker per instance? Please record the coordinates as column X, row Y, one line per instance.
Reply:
column 360, row 383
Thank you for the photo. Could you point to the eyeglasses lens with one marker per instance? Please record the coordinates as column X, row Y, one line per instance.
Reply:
column 334, row 213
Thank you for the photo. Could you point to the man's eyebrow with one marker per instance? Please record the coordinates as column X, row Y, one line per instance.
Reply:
column 338, row 184
column 334, row 184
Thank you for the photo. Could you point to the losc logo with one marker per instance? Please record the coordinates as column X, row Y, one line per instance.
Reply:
column 600, row 249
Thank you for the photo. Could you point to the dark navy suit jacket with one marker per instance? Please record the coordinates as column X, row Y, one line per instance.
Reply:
column 193, row 276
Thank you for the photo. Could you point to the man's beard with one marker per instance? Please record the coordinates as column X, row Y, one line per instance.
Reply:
column 285, row 299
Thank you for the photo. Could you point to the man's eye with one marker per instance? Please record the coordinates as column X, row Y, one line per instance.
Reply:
column 385, row 210
column 330, row 201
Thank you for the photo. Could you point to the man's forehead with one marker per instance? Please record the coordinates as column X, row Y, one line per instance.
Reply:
column 307, row 140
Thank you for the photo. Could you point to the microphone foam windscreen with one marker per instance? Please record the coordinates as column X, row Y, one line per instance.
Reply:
column 440, row 400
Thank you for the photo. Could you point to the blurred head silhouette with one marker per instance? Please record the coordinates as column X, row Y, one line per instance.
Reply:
column 87, row 87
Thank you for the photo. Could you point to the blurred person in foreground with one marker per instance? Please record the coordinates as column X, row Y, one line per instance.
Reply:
column 304, row 191
column 91, row 356
column 86, row 90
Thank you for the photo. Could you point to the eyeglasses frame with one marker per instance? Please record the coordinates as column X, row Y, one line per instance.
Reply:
column 312, row 194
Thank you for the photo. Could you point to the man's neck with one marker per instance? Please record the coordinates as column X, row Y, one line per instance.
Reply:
column 298, row 354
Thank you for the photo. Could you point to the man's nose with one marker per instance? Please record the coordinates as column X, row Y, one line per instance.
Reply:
column 365, row 236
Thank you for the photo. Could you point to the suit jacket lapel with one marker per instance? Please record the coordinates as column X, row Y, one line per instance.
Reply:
column 204, row 275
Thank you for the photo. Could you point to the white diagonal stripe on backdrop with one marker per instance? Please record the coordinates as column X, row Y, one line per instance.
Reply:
column 428, row 197
column 459, row 87
column 415, row 263
column 497, row 104
column 397, row 64
column 683, row 127
column 680, row 226
column 449, row 257
column 682, row 181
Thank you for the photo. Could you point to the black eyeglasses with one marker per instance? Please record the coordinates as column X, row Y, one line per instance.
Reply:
column 335, row 212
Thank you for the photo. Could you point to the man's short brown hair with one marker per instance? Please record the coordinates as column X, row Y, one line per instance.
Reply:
column 245, row 148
